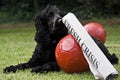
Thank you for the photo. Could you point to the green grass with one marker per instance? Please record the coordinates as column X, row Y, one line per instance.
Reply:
column 17, row 44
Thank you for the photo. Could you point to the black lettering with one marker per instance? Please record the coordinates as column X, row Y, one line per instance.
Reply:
column 85, row 49
column 94, row 61
column 97, row 63
column 82, row 44
column 89, row 54
column 75, row 35
column 65, row 22
column 92, row 58
column 79, row 40
column 72, row 31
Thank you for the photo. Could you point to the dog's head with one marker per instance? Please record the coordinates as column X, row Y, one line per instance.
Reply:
column 48, row 17
column 47, row 24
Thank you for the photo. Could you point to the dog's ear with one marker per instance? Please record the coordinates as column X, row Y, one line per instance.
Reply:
column 44, row 11
column 41, row 14
column 37, row 21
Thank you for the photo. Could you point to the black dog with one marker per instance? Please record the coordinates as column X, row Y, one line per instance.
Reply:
column 48, row 33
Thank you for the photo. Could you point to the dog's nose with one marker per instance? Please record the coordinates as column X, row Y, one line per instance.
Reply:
column 59, row 20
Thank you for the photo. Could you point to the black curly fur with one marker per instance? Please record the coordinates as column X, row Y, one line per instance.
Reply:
column 48, row 34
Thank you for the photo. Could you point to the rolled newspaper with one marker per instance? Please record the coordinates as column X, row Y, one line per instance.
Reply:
column 98, row 63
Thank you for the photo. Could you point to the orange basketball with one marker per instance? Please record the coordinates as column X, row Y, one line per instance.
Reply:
column 96, row 30
column 69, row 55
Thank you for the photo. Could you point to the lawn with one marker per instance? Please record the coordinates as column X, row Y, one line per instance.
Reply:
column 17, row 44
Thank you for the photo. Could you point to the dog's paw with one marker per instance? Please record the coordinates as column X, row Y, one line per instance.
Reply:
column 114, row 59
column 10, row 69
column 37, row 69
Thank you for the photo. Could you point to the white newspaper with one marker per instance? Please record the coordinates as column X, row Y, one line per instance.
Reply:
column 98, row 63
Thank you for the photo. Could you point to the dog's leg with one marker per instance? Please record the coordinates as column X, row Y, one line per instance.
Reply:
column 22, row 66
column 50, row 66
column 30, row 64
column 33, row 62
column 12, row 68
column 111, row 57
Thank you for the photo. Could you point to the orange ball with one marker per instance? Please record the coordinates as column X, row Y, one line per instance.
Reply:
column 69, row 55
column 96, row 30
